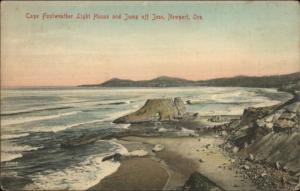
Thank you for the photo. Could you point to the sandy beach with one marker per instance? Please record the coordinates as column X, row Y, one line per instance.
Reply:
column 136, row 174
column 170, row 168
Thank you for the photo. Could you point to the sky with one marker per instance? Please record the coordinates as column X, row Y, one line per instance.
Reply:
column 232, row 38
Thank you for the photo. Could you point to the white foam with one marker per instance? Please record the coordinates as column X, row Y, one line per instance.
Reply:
column 78, row 177
column 234, row 95
column 162, row 129
column 226, row 111
column 266, row 103
column 123, row 126
column 19, row 120
column 9, row 173
column 118, row 114
column 34, row 109
column 13, row 136
column 10, row 151
column 62, row 127
column 121, row 149
column 187, row 130
column 235, row 109
column 7, row 146
column 138, row 153
column 5, row 156
column 114, row 102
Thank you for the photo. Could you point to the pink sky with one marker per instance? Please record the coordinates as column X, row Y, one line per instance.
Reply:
column 230, row 41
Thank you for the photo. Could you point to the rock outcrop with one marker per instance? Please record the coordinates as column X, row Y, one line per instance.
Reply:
column 115, row 157
column 199, row 182
column 158, row 148
column 272, row 134
column 80, row 141
column 154, row 110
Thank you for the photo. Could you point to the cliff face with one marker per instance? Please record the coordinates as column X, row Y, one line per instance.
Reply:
column 271, row 134
column 167, row 109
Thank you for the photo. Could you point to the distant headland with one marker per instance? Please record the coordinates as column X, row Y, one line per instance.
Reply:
column 273, row 81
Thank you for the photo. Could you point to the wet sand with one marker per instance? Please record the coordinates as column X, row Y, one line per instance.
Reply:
column 215, row 163
column 170, row 168
column 136, row 174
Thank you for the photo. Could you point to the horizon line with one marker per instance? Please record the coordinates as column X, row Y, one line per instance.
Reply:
column 71, row 86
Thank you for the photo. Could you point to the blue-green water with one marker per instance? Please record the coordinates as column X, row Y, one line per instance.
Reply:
column 34, row 122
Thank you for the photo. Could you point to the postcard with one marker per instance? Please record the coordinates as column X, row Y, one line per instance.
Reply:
column 150, row 95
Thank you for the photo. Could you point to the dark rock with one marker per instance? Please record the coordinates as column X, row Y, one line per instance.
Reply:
column 114, row 157
column 232, row 160
column 199, row 182
column 82, row 140
column 217, row 119
column 207, row 146
column 252, row 114
column 14, row 182
column 263, row 174
column 195, row 114
column 158, row 148
column 277, row 165
column 246, row 167
column 297, row 187
column 2, row 189
column 283, row 180
column 251, row 157
column 188, row 102
column 270, row 143
column 286, row 122
column 166, row 109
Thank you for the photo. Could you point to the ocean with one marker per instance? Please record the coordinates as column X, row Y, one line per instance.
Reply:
column 35, row 121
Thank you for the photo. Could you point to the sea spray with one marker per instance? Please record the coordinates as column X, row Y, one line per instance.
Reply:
column 19, row 120
column 97, row 120
column 13, row 136
column 10, row 151
column 80, row 176
column 5, row 156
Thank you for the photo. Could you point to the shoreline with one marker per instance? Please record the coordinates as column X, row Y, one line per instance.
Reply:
column 141, row 173
column 136, row 172
column 203, row 156
column 173, row 177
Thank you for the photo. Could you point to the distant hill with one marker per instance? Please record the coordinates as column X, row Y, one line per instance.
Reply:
column 275, row 81
column 162, row 81
column 116, row 82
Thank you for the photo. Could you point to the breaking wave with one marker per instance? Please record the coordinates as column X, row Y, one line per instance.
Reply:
column 77, row 177
column 10, row 151
column 6, row 122
column 34, row 110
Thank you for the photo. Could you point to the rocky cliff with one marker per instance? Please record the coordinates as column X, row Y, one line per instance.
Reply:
column 167, row 109
column 271, row 134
